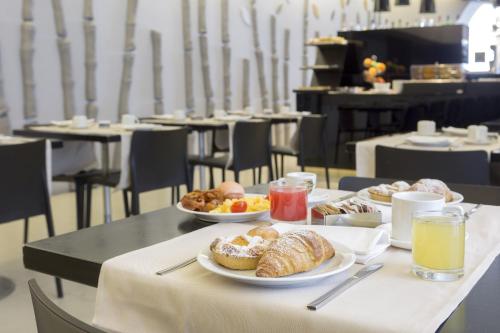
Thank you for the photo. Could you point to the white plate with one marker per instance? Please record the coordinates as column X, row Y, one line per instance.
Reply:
column 480, row 143
column 132, row 127
column 463, row 132
column 226, row 217
column 317, row 196
column 430, row 141
column 343, row 259
column 365, row 195
column 62, row 123
column 233, row 118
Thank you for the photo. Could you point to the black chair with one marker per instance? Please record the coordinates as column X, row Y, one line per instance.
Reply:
column 251, row 150
column 311, row 146
column 158, row 159
column 24, row 192
column 50, row 318
column 462, row 167
column 487, row 195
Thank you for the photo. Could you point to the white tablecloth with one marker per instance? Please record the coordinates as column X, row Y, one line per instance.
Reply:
column 131, row 298
column 365, row 150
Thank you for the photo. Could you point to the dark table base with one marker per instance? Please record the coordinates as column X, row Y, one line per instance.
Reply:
column 7, row 286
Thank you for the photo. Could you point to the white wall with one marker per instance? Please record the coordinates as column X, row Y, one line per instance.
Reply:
column 164, row 16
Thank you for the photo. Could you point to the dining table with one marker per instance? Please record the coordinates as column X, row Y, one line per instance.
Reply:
column 81, row 255
column 94, row 133
column 203, row 125
column 365, row 149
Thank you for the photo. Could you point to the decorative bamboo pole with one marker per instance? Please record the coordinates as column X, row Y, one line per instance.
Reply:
column 4, row 109
column 305, row 29
column 157, row 71
column 274, row 66
column 27, row 52
column 128, row 58
column 188, row 56
column 259, row 56
column 89, row 30
column 286, row 58
column 246, row 84
column 226, row 54
column 64, row 47
column 205, row 63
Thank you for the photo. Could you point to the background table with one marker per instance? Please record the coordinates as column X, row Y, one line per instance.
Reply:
column 78, row 256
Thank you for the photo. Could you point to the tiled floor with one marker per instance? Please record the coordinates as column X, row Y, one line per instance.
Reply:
column 16, row 314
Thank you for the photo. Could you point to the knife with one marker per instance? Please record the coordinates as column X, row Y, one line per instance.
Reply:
column 327, row 297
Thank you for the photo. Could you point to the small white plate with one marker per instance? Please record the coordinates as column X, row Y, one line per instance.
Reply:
column 317, row 196
column 430, row 141
column 62, row 123
column 227, row 217
column 343, row 259
column 144, row 126
column 365, row 195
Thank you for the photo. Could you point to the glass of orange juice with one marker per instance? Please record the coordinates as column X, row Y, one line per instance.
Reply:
column 438, row 244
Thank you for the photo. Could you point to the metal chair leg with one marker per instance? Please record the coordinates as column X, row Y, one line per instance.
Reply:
column 260, row 175
column 282, row 166
column 126, row 203
column 276, row 164
column 26, row 230
column 327, row 176
column 211, row 170
column 88, row 206
column 237, row 176
column 223, row 174
column 80, row 204
column 172, row 196
column 135, row 203
column 253, row 175
column 178, row 193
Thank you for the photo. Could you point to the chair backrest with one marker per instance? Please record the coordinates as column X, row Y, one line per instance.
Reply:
column 23, row 190
column 50, row 318
column 251, row 145
column 462, row 167
column 312, row 139
column 158, row 159
column 487, row 195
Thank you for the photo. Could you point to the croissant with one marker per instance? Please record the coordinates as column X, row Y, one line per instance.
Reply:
column 294, row 252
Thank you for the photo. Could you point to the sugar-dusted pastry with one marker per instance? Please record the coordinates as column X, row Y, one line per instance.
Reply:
column 433, row 186
column 267, row 233
column 384, row 192
column 243, row 252
column 294, row 252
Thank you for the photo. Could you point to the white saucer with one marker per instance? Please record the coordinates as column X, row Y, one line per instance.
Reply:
column 317, row 196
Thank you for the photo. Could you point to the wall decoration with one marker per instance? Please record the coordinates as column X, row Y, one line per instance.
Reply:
column 205, row 63
column 382, row 6
column 286, row 59
column 4, row 110
column 259, row 56
column 427, row 6
column 305, row 28
column 89, row 30
column 64, row 47
column 279, row 8
column 156, row 44
column 245, row 94
column 128, row 58
column 188, row 57
column 274, row 66
column 402, row 2
column 27, row 52
column 315, row 9
column 226, row 54
column 245, row 16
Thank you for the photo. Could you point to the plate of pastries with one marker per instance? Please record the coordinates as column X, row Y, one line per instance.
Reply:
column 264, row 257
column 382, row 194
column 226, row 203
column 351, row 212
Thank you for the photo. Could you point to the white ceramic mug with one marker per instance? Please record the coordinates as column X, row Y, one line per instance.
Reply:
column 308, row 178
column 180, row 114
column 426, row 127
column 477, row 133
column 129, row 119
column 404, row 204
column 219, row 113
column 80, row 122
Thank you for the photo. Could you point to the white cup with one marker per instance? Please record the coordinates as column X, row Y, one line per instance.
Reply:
column 426, row 127
column 80, row 122
column 307, row 177
column 404, row 204
column 219, row 113
column 129, row 119
column 477, row 133
column 180, row 114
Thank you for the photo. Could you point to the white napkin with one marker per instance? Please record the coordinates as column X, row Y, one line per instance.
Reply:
column 366, row 243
